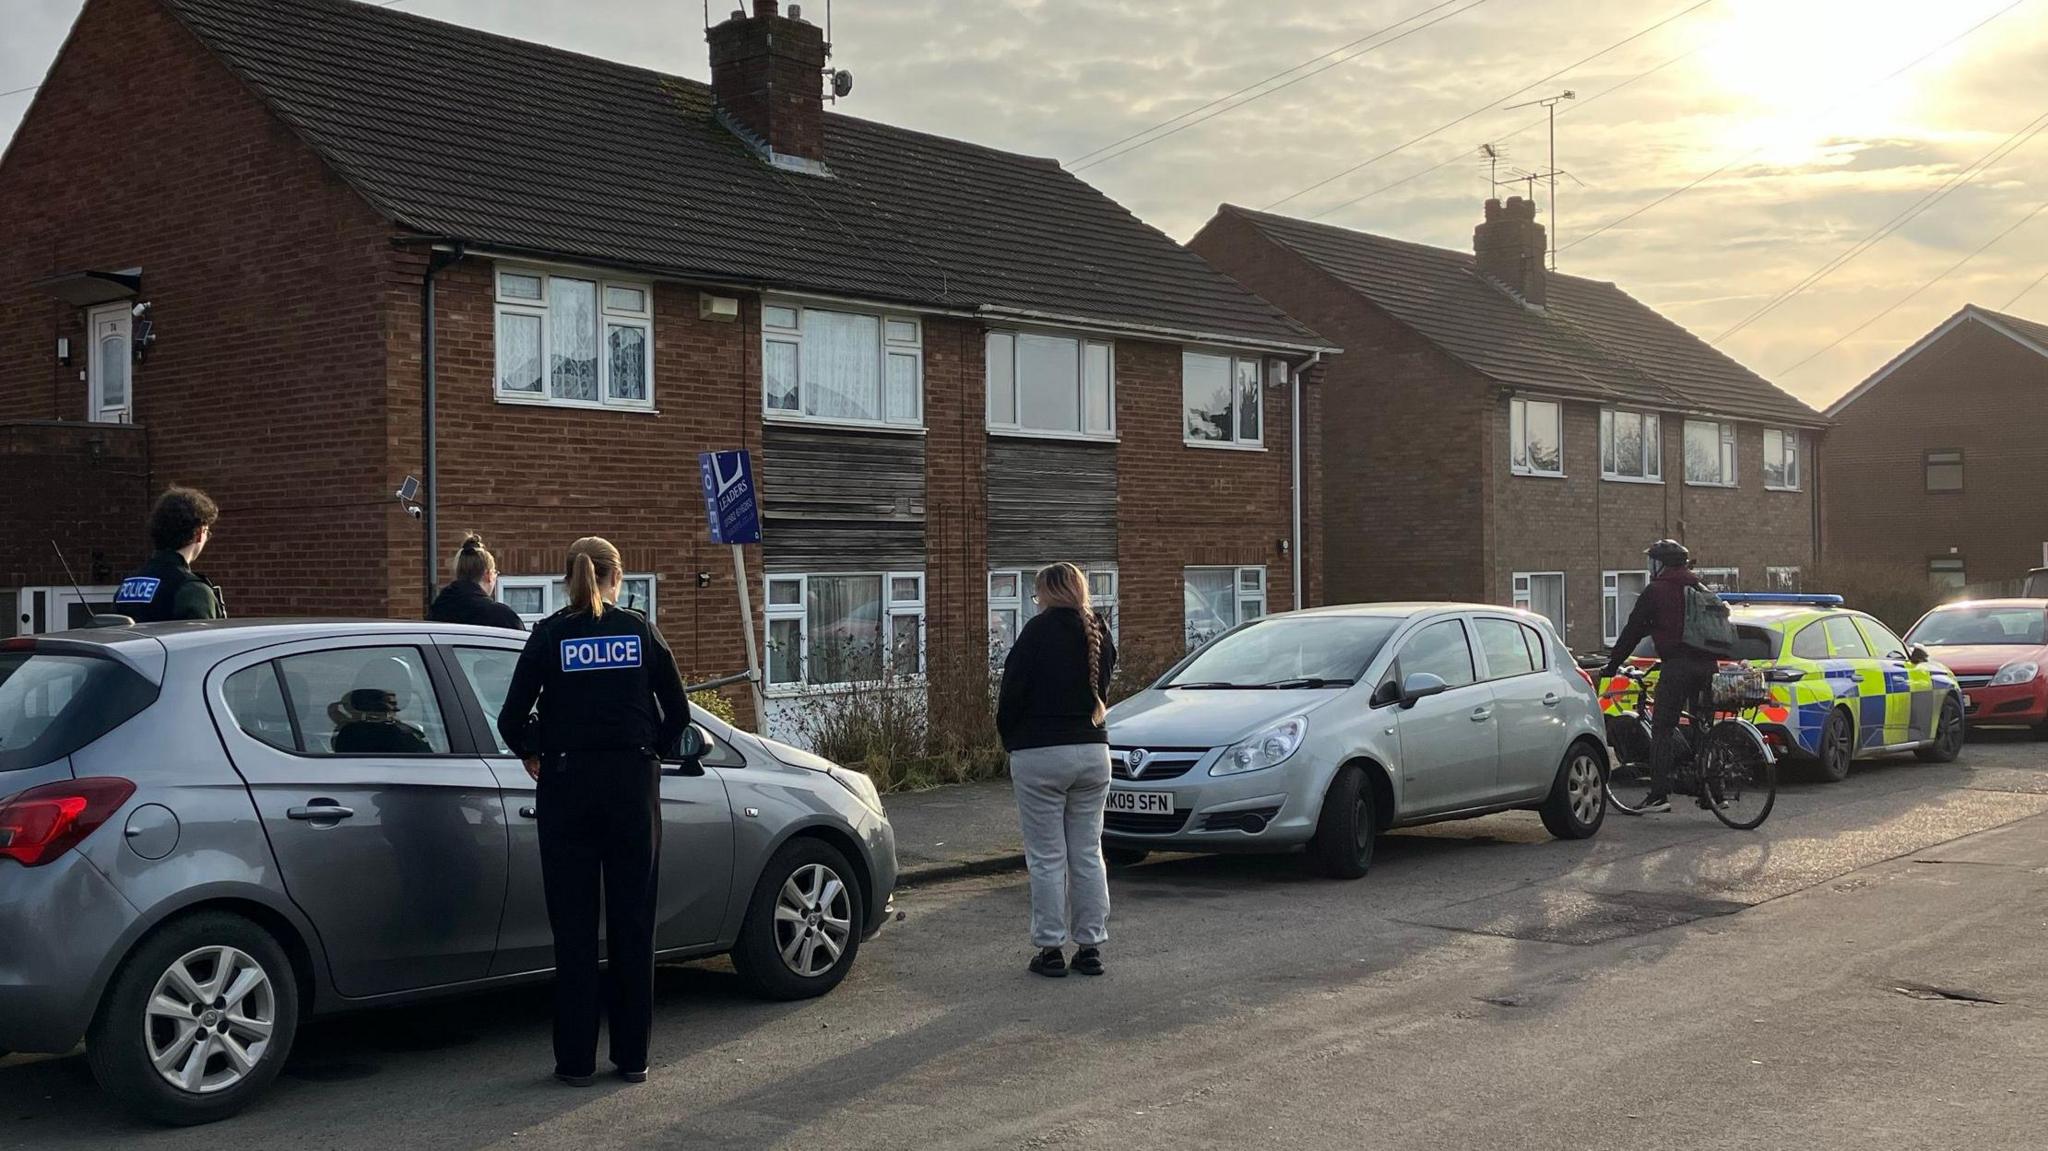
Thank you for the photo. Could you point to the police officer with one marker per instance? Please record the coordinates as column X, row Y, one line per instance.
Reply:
column 467, row 598
column 166, row 587
column 609, row 698
column 1684, row 672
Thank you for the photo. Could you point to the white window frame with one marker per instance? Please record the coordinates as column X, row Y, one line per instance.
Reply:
column 889, row 344
column 1026, row 607
column 1725, row 431
column 98, row 410
column 1524, row 594
column 1518, row 437
column 1720, row 579
column 1788, row 458
column 1939, row 571
column 1238, row 441
column 553, row 594
column 1783, row 579
column 1653, row 433
column 1010, row 423
column 1612, row 618
column 799, row 611
column 1244, row 596
column 607, row 317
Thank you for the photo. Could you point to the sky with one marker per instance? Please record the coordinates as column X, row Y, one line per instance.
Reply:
column 1718, row 153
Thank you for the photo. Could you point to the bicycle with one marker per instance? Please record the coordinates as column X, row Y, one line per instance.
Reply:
column 1719, row 757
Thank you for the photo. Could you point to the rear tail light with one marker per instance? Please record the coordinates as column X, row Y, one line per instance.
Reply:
column 1588, row 677
column 42, row 823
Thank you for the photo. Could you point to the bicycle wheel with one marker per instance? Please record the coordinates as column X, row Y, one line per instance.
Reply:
column 1738, row 781
column 1628, row 777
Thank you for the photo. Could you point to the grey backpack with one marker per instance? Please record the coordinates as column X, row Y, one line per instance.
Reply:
column 1707, row 626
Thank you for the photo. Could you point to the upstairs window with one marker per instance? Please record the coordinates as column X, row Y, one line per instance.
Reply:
column 1945, row 471
column 1781, row 460
column 578, row 341
column 1631, row 447
column 1051, row 385
column 1535, row 437
column 1710, row 453
column 841, row 367
column 1222, row 404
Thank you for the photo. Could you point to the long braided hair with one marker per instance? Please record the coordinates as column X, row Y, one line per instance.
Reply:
column 1063, row 585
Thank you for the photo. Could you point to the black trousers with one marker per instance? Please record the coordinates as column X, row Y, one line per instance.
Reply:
column 600, row 830
column 1681, row 682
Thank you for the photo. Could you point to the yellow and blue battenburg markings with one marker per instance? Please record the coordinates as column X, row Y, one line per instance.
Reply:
column 137, row 589
column 601, row 653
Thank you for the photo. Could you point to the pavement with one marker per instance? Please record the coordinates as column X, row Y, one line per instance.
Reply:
column 949, row 832
column 1860, row 974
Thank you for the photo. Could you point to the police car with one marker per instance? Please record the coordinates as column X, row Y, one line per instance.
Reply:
column 1842, row 686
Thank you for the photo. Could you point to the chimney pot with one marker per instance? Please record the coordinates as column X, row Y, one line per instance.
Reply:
column 765, row 77
column 1511, row 249
column 766, row 8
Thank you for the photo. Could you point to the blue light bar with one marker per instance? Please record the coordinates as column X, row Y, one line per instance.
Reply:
column 1788, row 597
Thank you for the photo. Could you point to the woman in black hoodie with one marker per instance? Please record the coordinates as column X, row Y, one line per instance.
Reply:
column 468, row 598
column 1050, row 715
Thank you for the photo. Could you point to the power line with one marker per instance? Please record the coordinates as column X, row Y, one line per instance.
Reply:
column 1268, row 80
column 1884, row 231
column 1909, row 296
column 1886, row 78
column 1488, row 105
column 1537, row 123
column 1280, row 87
column 2022, row 293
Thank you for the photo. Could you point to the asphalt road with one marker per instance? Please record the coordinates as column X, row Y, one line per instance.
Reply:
column 1667, row 984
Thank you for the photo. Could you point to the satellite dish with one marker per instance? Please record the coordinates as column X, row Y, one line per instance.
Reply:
column 842, row 83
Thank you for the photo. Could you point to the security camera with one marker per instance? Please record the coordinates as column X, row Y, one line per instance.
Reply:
column 413, row 510
column 140, row 310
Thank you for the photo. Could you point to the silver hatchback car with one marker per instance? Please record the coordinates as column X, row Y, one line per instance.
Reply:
column 209, row 831
column 1323, row 728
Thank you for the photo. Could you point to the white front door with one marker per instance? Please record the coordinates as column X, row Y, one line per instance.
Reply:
column 109, row 398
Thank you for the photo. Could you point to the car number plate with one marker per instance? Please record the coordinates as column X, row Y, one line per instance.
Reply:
column 1141, row 802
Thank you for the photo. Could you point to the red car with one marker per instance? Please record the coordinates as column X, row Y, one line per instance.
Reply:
column 1998, row 649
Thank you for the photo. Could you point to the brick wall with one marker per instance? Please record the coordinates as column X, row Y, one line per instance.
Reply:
column 956, row 495
column 1975, row 391
column 265, row 386
column 83, row 486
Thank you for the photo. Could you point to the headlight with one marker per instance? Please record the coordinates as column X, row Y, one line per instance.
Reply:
column 2016, row 673
column 1268, row 748
column 860, row 785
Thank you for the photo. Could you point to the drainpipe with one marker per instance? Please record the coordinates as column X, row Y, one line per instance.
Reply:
column 430, row 486
column 1294, row 412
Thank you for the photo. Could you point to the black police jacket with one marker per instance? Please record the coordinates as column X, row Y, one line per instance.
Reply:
column 166, row 588
column 465, row 602
column 601, row 683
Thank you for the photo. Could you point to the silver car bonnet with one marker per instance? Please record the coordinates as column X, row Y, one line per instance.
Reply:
column 1207, row 717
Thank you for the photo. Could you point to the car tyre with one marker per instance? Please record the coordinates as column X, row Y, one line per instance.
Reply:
column 1837, row 745
column 1577, row 803
column 253, row 987
column 1949, row 733
column 1124, row 856
column 1342, row 845
column 805, row 890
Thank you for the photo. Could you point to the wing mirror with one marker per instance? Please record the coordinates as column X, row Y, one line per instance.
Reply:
column 1420, row 686
column 1917, row 654
column 690, row 748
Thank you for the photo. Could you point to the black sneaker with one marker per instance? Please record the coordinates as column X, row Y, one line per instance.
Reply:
column 576, row 1080
column 1088, row 961
column 639, row 1076
column 1654, row 804
column 1050, row 962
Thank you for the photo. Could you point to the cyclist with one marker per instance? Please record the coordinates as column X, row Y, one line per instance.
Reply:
column 1684, row 672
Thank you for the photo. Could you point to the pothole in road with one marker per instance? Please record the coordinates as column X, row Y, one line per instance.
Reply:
column 1933, row 993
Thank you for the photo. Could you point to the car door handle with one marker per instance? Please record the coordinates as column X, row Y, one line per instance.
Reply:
column 1550, row 699
column 1481, row 714
column 320, row 812
column 527, row 812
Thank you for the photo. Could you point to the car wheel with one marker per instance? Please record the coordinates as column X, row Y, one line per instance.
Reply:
column 802, row 928
column 1124, row 856
column 1342, row 845
column 197, row 1022
column 1578, row 799
column 1837, row 745
column 1949, row 733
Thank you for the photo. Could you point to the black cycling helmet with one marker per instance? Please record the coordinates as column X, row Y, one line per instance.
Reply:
column 1668, row 554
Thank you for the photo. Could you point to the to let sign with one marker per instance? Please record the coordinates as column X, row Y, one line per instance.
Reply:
column 729, row 497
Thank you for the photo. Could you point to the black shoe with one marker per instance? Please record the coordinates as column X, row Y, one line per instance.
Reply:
column 1088, row 961
column 1654, row 803
column 576, row 1080
column 639, row 1076
column 1050, row 962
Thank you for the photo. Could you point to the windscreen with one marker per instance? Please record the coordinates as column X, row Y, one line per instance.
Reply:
column 1969, row 624
column 53, row 703
column 1290, row 651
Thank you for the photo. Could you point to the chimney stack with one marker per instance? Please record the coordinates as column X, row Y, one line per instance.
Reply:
column 1511, row 248
column 768, row 76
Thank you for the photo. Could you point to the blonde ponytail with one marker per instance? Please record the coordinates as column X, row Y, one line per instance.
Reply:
column 593, row 565
column 474, row 561
column 1063, row 585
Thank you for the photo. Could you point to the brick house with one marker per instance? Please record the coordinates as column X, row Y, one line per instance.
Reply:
column 1935, row 461
column 292, row 251
column 1503, row 433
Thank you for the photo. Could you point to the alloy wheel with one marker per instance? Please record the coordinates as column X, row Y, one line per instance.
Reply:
column 210, row 1019
column 813, row 920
